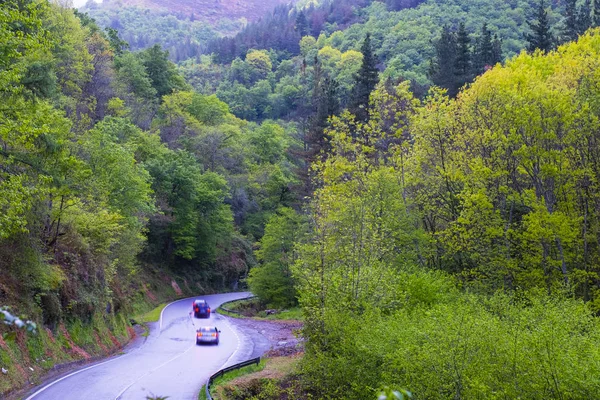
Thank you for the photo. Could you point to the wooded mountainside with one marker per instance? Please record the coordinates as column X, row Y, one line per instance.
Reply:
column 442, row 240
column 118, row 181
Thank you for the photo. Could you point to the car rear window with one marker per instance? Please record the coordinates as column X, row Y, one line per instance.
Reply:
column 207, row 329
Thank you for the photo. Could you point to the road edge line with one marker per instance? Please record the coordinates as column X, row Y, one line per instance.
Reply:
column 71, row 374
column 41, row 390
column 152, row 371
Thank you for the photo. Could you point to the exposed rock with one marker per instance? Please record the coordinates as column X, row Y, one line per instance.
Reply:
column 4, row 371
column 176, row 287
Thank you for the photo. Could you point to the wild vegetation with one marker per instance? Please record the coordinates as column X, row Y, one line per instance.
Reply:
column 453, row 247
column 425, row 42
column 183, row 27
column 120, row 186
column 441, row 240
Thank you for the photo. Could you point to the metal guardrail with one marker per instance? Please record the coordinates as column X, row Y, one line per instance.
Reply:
column 233, row 301
column 233, row 367
column 228, row 369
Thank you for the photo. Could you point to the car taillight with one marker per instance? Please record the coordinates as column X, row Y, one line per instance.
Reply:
column 214, row 335
column 199, row 334
column 196, row 309
column 209, row 310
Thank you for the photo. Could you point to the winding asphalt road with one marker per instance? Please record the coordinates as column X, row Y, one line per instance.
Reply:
column 168, row 363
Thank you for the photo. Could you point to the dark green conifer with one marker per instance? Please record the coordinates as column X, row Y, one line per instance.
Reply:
column 441, row 71
column 484, row 54
column 541, row 35
column 365, row 81
column 462, row 62
column 497, row 46
column 301, row 24
column 571, row 28
column 584, row 17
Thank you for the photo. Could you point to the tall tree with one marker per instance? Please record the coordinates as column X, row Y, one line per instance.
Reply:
column 571, row 28
column 497, row 47
column 160, row 70
column 584, row 17
column 462, row 62
column 595, row 14
column 301, row 24
column 541, row 35
column 116, row 43
column 487, row 52
column 365, row 81
column 442, row 68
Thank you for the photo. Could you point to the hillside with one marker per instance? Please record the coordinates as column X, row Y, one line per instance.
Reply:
column 206, row 10
column 183, row 27
column 120, row 189
column 443, row 240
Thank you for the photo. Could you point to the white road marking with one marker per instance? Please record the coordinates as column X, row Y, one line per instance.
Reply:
column 43, row 389
column 71, row 374
column 163, row 310
column 97, row 365
column 151, row 371
column 238, row 345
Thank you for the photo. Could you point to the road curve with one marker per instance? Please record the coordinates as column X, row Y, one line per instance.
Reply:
column 168, row 364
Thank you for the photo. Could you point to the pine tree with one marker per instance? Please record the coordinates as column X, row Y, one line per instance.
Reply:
column 541, row 35
column 462, row 62
column 324, row 103
column 442, row 69
column 365, row 81
column 595, row 14
column 484, row 54
column 497, row 50
column 584, row 17
column 301, row 24
column 571, row 28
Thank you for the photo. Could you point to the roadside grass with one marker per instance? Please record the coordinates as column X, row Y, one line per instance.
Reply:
column 27, row 357
column 268, row 379
column 228, row 377
column 150, row 316
column 252, row 308
column 292, row 313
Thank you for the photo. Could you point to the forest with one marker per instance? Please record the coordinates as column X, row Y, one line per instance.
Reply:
column 452, row 247
column 421, row 178
column 117, row 181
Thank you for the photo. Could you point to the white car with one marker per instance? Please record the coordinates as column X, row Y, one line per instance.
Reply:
column 207, row 334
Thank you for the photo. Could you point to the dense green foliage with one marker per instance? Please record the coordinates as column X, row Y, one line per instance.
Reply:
column 491, row 193
column 111, row 167
column 446, row 241
column 440, row 42
column 272, row 281
column 184, row 36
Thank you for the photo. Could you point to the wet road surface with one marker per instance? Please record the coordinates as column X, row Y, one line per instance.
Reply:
column 168, row 364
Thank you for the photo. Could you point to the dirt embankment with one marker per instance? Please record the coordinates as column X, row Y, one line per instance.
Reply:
column 280, row 337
